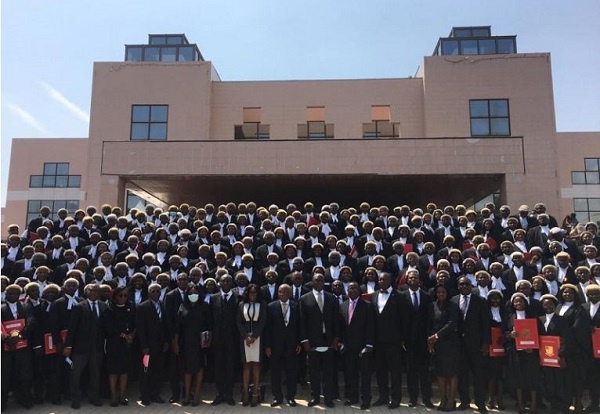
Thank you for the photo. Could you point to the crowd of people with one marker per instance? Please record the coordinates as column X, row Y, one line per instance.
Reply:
column 239, row 293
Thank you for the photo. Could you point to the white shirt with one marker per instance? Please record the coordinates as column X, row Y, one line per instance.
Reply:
column 521, row 314
column 13, row 309
column 564, row 308
column 382, row 299
column 552, row 287
column 286, row 312
column 548, row 320
column 594, row 309
column 496, row 314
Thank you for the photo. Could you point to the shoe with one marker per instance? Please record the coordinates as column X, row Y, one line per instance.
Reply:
column 146, row 403
column 124, row 401
column 76, row 405
column 463, row 406
column 329, row 404
column 428, row 404
column 365, row 406
column 276, row 402
column 230, row 401
column 482, row 409
column 412, row 404
column 313, row 402
column 291, row 402
column 380, row 402
column 218, row 400
column 97, row 403
column 173, row 399
column 350, row 402
column 157, row 399
column 393, row 405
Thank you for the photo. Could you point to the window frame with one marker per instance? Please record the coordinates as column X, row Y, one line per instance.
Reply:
column 60, row 172
column 33, row 208
column 490, row 117
column 149, row 123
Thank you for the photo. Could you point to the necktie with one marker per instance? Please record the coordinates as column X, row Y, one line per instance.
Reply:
column 351, row 311
column 95, row 309
column 297, row 295
column 158, row 310
column 320, row 300
column 464, row 305
column 285, row 318
column 415, row 301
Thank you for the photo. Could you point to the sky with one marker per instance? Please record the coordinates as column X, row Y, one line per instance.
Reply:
column 48, row 48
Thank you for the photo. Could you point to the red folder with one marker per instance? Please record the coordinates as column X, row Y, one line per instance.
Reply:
column 49, row 345
column 596, row 342
column 497, row 345
column 549, row 347
column 527, row 337
column 63, row 335
column 9, row 327
column 408, row 248
column 366, row 296
column 466, row 246
column 491, row 242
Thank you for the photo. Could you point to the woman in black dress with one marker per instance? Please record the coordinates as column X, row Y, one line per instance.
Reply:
column 444, row 344
column 192, row 337
column 120, row 327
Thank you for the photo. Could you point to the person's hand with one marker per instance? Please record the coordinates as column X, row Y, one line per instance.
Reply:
column 306, row 346
column 268, row 352
column 298, row 349
column 368, row 349
column 334, row 344
column 67, row 352
column 432, row 339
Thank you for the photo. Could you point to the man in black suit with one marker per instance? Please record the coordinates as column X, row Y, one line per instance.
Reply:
column 474, row 330
column 224, row 307
column 388, row 342
column 415, row 304
column 268, row 247
column 282, row 344
column 153, row 336
column 270, row 291
column 319, row 332
column 590, row 308
column 357, row 333
column 173, row 300
column 85, row 345
column 39, row 221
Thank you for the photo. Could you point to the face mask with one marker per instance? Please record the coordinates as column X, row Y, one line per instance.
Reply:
column 193, row 297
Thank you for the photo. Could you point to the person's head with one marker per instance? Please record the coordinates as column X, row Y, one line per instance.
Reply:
column 182, row 281
column 495, row 298
column 154, row 291
column 440, row 293
column 241, row 279
column 442, row 277
column 120, row 296
column 284, row 292
column 163, row 280
column 318, row 280
column 210, row 285
column 385, row 280
column 523, row 286
column 337, row 287
column 583, row 274
column 192, row 294
column 226, row 283
column 518, row 301
column 483, row 278
column 51, row 292
column 42, row 273
column 549, row 272
column 91, row 291
column 593, row 293
column 271, row 276
column 412, row 279
column 32, row 290
column 568, row 293
column 464, row 286
column 138, row 281
column 297, row 279
column 12, row 293
column 549, row 303
column 252, row 293
column 538, row 284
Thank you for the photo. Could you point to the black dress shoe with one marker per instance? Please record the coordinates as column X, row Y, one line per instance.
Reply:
column 124, row 401
column 218, row 400
column 76, row 405
column 482, row 409
column 412, row 404
column 275, row 402
column 329, row 404
column 230, row 401
column 146, row 403
column 313, row 402
column 291, row 402
column 350, row 402
column 380, row 403
column 173, row 399
column 158, row 399
column 365, row 406
column 428, row 404
column 393, row 405
column 463, row 407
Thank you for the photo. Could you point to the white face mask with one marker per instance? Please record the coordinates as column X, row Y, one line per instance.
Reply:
column 193, row 297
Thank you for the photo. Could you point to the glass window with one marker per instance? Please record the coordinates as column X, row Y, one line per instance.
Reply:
column 498, row 107
column 592, row 177
column 58, row 204
column 35, row 181
column 186, row 53
column 449, row 47
column 580, row 204
column 468, row 47
column 174, row 40
column 462, row 32
column 479, row 108
column 49, row 168
column 480, row 127
column 489, row 117
column 62, row 168
column 62, row 181
column 594, row 204
column 158, row 40
column 72, row 205
column 481, row 32
column 49, row 181
column 134, row 54
column 149, row 122
column 487, row 47
column 158, row 131
column 578, row 177
column 139, row 131
column 158, row 113
column 594, row 217
column 33, row 206
column 506, row 45
column 140, row 113
column 499, row 126
column 74, row 181
column 152, row 54
column 169, row 54
column 591, row 164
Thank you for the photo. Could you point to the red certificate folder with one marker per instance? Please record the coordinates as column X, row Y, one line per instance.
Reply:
column 49, row 345
column 549, row 347
column 497, row 345
column 527, row 334
column 63, row 335
column 9, row 327
column 596, row 343
column 408, row 248
column 366, row 296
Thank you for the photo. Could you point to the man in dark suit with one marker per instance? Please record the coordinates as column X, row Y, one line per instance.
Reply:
column 446, row 229
column 39, row 221
column 282, row 344
column 173, row 300
column 388, row 342
column 357, row 333
column 153, row 336
column 474, row 330
column 590, row 308
column 85, row 345
column 319, row 332
column 270, row 291
column 415, row 304
column 268, row 247
column 224, row 307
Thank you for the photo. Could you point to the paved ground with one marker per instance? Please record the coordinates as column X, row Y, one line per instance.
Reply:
column 205, row 407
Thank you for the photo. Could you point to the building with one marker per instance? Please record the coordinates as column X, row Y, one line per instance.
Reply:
column 476, row 121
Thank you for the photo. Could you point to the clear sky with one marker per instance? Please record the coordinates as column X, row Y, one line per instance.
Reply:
column 48, row 48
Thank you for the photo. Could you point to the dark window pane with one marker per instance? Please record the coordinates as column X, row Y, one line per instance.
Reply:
column 50, row 168
column 33, row 206
column 238, row 132
column 58, row 204
column 169, row 54
column 49, row 181
column 186, row 53
column 175, row 40
column 449, row 47
column 498, row 107
column 594, row 204
column 480, row 127
column 592, row 177
column 478, row 108
column 139, row 131
column 152, row 54
column 158, row 131
column 62, row 168
column 506, row 46
column 263, row 131
column 72, row 206
column 462, row 32
column 49, row 203
column 499, row 126
column 578, row 177
column 468, row 47
column 35, row 181
column 158, row 113
column 140, row 113
column 487, row 47
column 75, row 181
column 591, row 164
column 580, row 204
column 481, row 32
column 134, row 54
column 583, row 217
column 594, row 217
column 62, row 181
column 158, row 40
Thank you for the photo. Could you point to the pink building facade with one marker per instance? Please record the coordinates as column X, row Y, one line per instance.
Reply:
column 476, row 120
